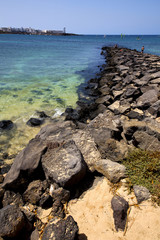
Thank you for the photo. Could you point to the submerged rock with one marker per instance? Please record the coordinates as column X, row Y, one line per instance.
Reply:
column 6, row 125
column 34, row 122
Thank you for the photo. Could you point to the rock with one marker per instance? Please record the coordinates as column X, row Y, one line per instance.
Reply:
column 12, row 198
column 113, row 171
column 64, row 229
column 34, row 192
column 154, row 109
column 141, row 193
column 135, row 115
column 34, row 122
column 1, row 178
column 46, row 201
column 34, row 235
column 27, row 161
column 106, row 100
column 12, row 221
column 86, row 144
column 155, row 75
column 147, row 99
column 28, row 214
column 122, row 67
column 42, row 114
column 64, row 164
column 114, row 150
column 61, row 195
column 145, row 141
column 1, row 192
column 120, row 207
column 118, row 108
column 156, row 81
column 6, row 125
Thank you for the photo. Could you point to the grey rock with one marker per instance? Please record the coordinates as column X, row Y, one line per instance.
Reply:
column 120, row 207
column 141, row 193
column 12, row 221
column 145, row 141
column 156, row 81
column 113, row 150
column 26, row 161
column 135, row 115
column 122, row 67
column 147, row 99
column 155, row 75
column 154, row 109
column 34, row 235
column 64, row 164
column 64, row 229
column 113, row 171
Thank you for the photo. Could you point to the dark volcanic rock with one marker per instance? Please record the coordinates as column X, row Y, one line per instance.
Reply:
column 6, row 125
column 66, row 229
column 12, row 221
column 25, row 165
column 120, row 207
column 33, row 122
column 64, row 164
column 60, row 194
column 33, row 192
column 12, row 198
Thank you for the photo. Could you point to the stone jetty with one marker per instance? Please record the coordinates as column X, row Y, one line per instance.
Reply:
column 63, row 160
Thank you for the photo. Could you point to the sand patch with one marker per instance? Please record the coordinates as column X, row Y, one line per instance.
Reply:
column 94, row 216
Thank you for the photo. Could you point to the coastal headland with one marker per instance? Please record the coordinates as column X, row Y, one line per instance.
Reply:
column 32, row 31
column 69, row 181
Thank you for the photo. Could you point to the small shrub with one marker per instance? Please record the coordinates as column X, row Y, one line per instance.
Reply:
column 143, row 168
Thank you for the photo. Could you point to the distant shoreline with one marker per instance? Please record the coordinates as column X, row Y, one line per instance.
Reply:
column 44, row 34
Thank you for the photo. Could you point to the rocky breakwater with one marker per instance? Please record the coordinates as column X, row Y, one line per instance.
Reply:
column 65, row 156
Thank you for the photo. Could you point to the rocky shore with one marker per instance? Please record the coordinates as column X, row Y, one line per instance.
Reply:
column 69, row 159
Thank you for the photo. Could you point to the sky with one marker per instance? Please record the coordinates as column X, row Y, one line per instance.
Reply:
column 83, row 16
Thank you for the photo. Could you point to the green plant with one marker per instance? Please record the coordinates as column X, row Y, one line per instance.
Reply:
column 143, row 168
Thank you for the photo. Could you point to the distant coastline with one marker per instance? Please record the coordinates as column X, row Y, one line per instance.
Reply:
column 31, row 31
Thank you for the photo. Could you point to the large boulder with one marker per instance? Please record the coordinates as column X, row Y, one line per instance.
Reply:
column 59, row 230
column 64, row 164
column 147, row 99
column 12, row 221
column 26, row 162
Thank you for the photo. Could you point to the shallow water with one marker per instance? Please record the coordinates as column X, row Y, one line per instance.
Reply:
column 42, row 73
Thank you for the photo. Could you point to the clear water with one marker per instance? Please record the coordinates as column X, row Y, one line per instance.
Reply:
column 43, row 73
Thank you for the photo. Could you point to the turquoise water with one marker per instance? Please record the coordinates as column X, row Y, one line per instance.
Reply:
column 43, row 73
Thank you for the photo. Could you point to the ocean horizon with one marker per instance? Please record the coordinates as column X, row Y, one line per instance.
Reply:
column 43, row 73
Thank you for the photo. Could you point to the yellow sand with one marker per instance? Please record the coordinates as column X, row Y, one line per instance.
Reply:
column 94, row 215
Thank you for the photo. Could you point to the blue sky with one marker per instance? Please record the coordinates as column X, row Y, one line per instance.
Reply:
column 84, row 16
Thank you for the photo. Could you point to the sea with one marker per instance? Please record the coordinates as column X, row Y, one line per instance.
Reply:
column 44, row 73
